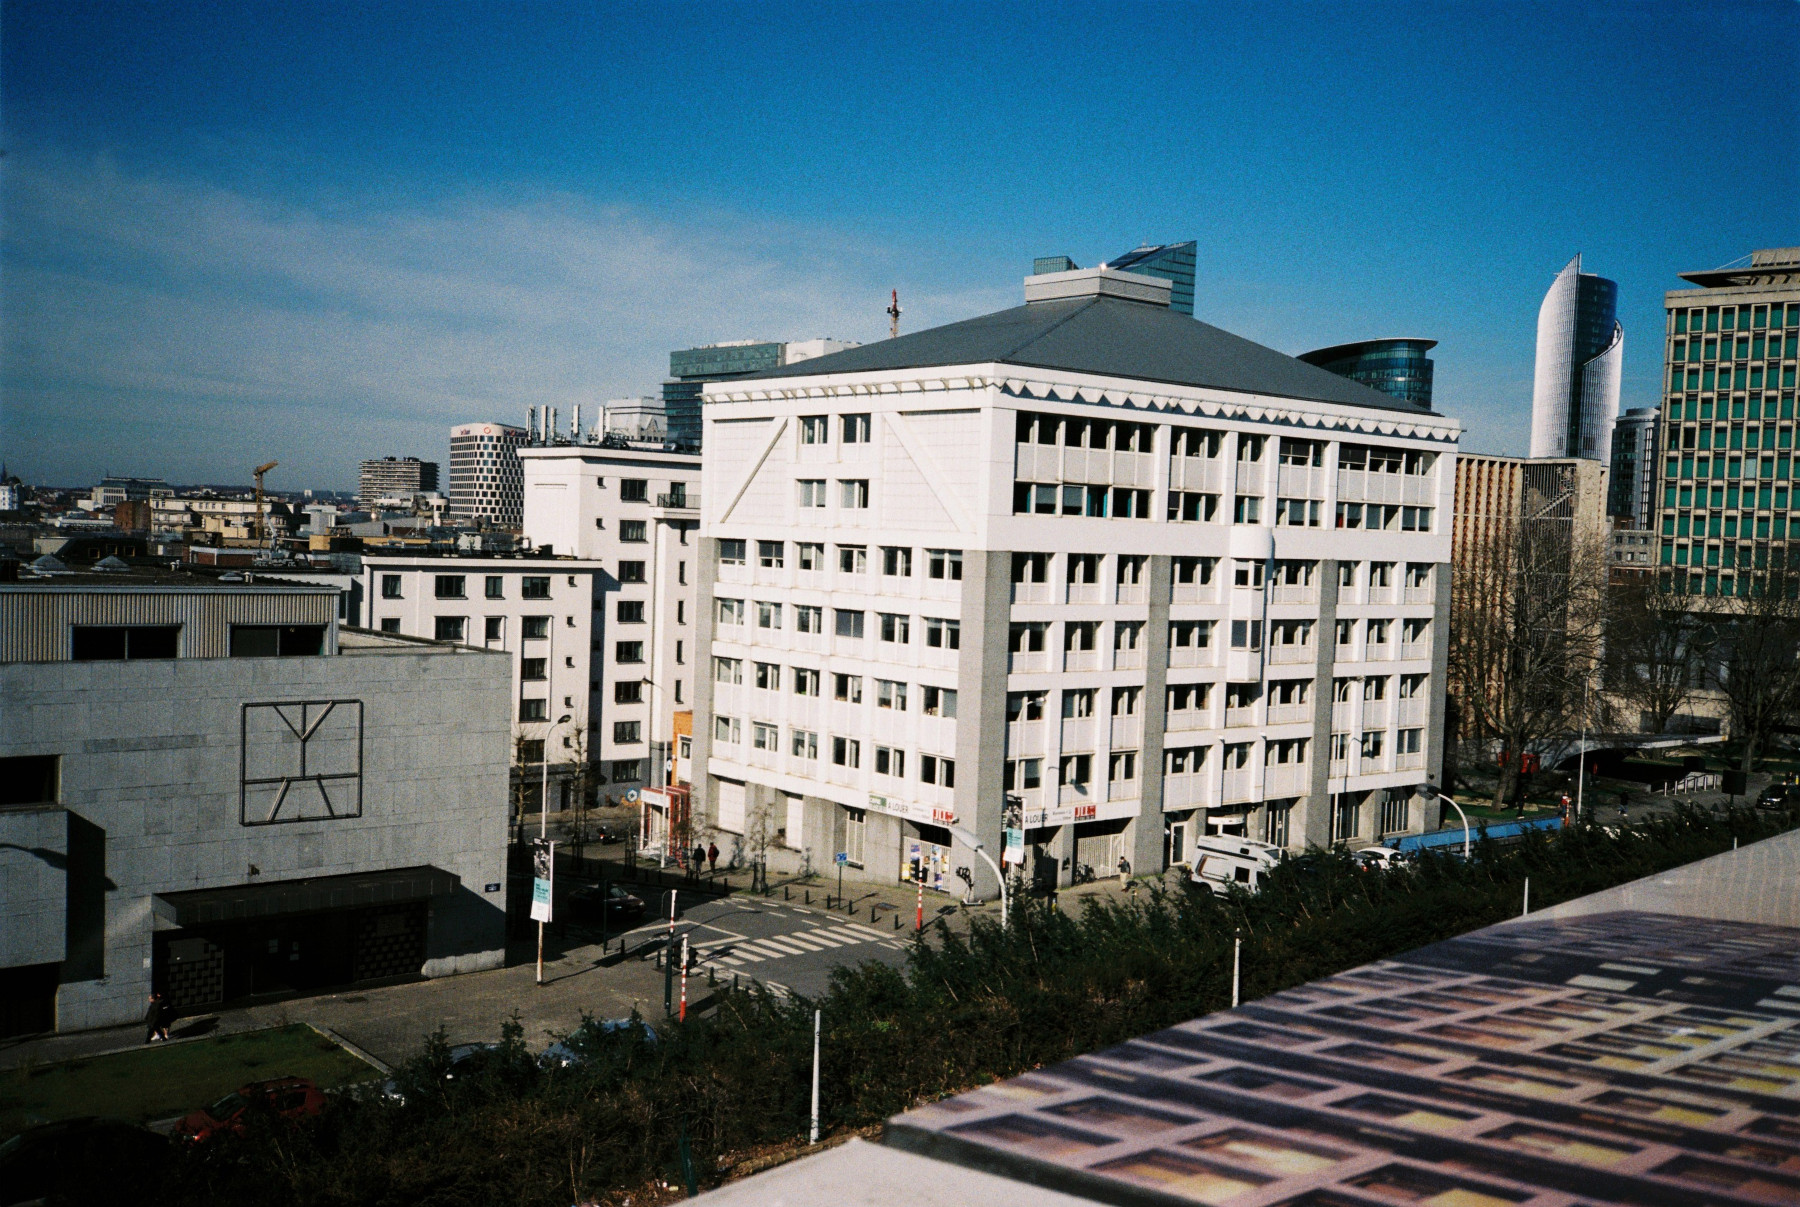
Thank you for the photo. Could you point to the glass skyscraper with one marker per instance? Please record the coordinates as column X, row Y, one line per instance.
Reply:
column 1173, row 262
column 1580, row 353
column 1399, row 367
column 1631, row 485
column 1729, row 499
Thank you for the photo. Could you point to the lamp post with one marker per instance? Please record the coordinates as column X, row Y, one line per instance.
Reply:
column 1433, row 790
column 544, row 828
column 968, row 839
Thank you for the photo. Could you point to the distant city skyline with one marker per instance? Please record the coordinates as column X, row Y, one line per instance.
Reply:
column 317, row 234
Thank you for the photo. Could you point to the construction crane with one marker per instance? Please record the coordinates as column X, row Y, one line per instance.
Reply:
column 893, row 312
column 258, row 473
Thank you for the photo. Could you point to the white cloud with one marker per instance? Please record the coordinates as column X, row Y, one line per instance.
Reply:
column 170, row 326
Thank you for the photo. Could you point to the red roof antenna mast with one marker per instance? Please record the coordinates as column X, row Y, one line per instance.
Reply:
column 893, row 312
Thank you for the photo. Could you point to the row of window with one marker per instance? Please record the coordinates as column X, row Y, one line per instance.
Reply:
column 1730, row 318
column 1766, row 407
column 893, row 627
column 1082, row 636
column 1731, row 436
column 842, row 751
column 1701, row 466
column 1079, row 703
column 896, row 561
column 1133, row 437
column 1744, row 347
column 456, row 586
column 808, row 681
column 156, row 642
column 1743, row 377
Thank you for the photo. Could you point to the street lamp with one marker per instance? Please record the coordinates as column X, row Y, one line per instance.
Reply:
column 968, row 839
column 543, row 829
column 1433, row 790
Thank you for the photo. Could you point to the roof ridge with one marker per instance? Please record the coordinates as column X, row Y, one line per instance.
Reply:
column 1053, row 327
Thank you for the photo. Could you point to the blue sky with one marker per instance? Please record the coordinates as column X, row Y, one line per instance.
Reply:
column 318, row 232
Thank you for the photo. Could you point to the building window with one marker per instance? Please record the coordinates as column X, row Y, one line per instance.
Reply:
column 846, row 752
column 890, row 694
column 728, row 670
column 1246, row 634
column 896, row 561
column 810, row 554
column 805, row 744
column 534, row 628
column 390, row 624
column 631, row 572
column 889, row 761
column 812, row 492
column 855, row 429
column 628, row 691
column 1027, row 637
column 532, row 669
column 849, row 623
column 496, row 586
column 390, row 586
column 628, row 651
column 944, row 564
column 770, row 555
column 854, row 493
column 731, row 553
column 1249, row 510
column 31, row 779
column 630, row 611
column 939, row 702
column 1275, row 824
column 853, row 559
column 634, row 490
column 855, row 827
column 768, row 676
column 450, row 586
column 449, row 628
column 1346, row 818
column 627, row 732
column 806, row 681
column 896, row 628
column 1121, row 766
column 809, row 619
column 847, row 688
column 534, row 586
column 943, row 634
column 627, row 771
column 727, row 730
column 1020, row 775
column 814, row 429
column 768, row 615
column 1247, row 574
column 1076, row 770
column 131, row 643
column 633, row 532
column 533, row 710
column 935, row 769
column 1194, row 571
column 765, row 737
column 730, row 611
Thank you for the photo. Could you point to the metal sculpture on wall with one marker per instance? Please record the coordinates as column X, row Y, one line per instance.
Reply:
column 300, row 760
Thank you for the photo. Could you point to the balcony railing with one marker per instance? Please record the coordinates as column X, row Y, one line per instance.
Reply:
column 1420, row 595
column 1240, row 784
column 1290, row 653
column 1289, row 714
column 684, row 499
column 1285, row 779
column 1186, row 791
column 1235, row 717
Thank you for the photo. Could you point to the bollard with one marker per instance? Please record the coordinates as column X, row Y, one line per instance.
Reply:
column 784, row 893
column 850, row 908
column 809, row 896
column 896, row 920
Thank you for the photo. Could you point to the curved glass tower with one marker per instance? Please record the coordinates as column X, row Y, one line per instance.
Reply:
column 1580, row 355
column 1399, row 367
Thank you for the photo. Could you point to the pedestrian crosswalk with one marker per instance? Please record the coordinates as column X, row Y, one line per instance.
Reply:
column 736, row 952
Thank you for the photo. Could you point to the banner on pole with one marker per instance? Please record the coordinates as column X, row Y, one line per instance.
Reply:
column 543, row 874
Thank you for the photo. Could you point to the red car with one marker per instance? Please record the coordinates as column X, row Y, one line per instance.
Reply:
column 288, row 1097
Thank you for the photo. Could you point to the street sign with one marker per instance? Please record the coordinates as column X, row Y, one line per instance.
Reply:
column 543, row 875
column 842, row 857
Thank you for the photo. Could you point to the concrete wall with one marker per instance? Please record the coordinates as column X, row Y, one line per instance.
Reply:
column 34, row 852
column 150, row 755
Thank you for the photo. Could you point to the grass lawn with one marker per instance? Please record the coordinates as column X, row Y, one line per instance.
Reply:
column 170, row 1079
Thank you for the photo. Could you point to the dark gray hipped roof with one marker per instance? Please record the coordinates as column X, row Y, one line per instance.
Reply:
column 1110, row 337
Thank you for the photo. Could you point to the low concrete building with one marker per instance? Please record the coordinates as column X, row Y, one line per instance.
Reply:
column 211, row 789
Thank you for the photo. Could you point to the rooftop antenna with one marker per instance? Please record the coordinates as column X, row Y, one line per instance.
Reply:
column 893, row 313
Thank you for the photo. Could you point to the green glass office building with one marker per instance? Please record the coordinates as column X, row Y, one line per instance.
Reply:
column 1729, row 510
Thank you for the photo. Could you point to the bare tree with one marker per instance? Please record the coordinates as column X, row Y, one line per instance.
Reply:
column 1656, row 651
column 1526, row 610
column 1757, row 668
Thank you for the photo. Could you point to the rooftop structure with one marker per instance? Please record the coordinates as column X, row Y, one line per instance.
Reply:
column 690, row 368
column 1174, row 262
column 396, row 477
column 487, row 482
column 1637, row 1046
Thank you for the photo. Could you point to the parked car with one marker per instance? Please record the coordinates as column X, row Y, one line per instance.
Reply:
column 287, row 1097
column 1222, row 860
column 567, row 1053
column 585, row 903
column 87, row 1159
column 1779, row 796
column 1378, row 858
column 465, row 1061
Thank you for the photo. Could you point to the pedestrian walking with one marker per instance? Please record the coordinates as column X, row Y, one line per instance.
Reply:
column 156, row 1018
column 712, row 855
column 699, row 859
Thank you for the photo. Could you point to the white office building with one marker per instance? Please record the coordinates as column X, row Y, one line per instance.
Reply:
column 634, row 516
column 1086, row 569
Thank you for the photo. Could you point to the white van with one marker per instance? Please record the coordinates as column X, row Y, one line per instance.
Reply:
column 1222, row 860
